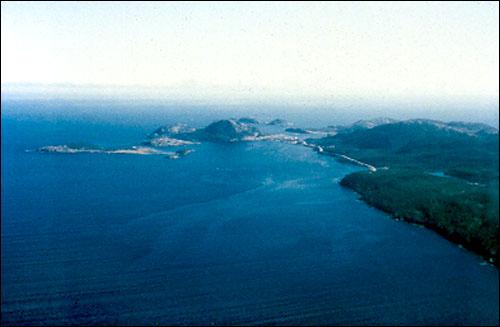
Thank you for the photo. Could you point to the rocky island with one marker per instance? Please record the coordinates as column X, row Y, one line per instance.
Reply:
column 136, row 150
column 226, row 131
column 296, row 130
column 278, row 122
column 248, row 120
column 74, row 150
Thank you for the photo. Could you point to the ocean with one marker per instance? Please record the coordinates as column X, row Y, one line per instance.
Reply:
column 247, row 233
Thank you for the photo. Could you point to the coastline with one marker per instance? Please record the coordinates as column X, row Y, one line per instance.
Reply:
column 442, row 231
column 397, row 197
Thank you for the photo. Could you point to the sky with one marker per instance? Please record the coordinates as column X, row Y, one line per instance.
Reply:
column 263, row 50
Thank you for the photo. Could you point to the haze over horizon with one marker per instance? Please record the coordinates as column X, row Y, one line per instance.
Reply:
column 246, row 52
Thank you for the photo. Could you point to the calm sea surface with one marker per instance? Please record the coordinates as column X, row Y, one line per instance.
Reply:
column 254, row 233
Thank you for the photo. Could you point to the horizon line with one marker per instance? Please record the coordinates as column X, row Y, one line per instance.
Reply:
column 195, row 93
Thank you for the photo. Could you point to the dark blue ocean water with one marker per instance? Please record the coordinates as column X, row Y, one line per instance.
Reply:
column 254, row 233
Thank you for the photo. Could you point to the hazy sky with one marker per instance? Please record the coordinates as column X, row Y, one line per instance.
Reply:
column 395, row 50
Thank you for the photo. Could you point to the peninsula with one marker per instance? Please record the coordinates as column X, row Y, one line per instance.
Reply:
column 441, row 175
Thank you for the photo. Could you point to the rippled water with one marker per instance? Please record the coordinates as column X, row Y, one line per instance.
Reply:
column 256, row 233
